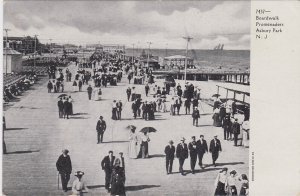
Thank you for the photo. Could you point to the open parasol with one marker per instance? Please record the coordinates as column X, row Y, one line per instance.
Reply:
column 131, row 127
column 62, row 95
column 148, row 130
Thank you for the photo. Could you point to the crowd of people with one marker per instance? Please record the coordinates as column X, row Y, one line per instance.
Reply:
column 110, row 71
column 10, row 92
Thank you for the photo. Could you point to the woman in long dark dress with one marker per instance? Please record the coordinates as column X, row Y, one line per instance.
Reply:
column 114, row 110
column 221, row 182
column 118, row 179
column 144, row 146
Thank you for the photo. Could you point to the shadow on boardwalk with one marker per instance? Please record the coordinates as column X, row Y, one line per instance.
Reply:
column 140, row 187
column 115, row 142
column 23, row 152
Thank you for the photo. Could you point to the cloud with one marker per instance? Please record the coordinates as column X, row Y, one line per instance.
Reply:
column 131, row 21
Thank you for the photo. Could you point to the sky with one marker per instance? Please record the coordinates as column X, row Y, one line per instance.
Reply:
column 163, row 23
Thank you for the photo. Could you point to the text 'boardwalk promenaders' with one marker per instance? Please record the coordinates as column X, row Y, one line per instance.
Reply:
column 267, row 23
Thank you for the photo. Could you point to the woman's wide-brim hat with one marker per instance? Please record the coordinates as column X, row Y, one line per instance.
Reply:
column 79, row 173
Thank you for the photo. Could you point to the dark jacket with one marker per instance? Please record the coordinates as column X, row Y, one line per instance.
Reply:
column 67, row 106
column 60, row 105
column 196, row 114
column 236, row 128
column 182, row 151
column 169, row 151
column 202, row 148
column 64, row 164
column 215, row 148
column 89, row 90
column 106, row 164
column 195, row 102
column 101, row 126
column 193, row 151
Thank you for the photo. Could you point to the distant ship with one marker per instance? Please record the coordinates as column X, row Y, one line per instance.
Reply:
column 219, row 47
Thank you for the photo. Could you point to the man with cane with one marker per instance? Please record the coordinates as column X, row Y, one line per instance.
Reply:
column 64, row 167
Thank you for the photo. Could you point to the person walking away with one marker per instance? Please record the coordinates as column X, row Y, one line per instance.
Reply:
column 66, row 108
column 214, row 149
column 134, row 108
column 227, row 127
column 79, row 186
column 89, row 91
column 201, row 149
column 114, row 110
column 57, row 85
column 193, row 153
column 60, row 105
column 107, row 165
column 128, row 92
column 62, row 86
column 129, row 77
column 182, row 154
column 196, row 116
column 119, row 109
column 133, row 144
column 100, row 127
column 231, row 183
column 117, row 179
column 179, row 91
column 74, row 85
column 64, row 167
column 144, row 150
column 147, row 88
column 235, row 131
column 220, row 182
column 49, row 86
column 164, row 105
column 187, row 105
column 178, row 105
column 169, row 151
column 195, row 103
column 54, row 86
column 80, row 85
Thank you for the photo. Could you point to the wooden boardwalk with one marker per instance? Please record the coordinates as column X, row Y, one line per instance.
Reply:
column 36, row 136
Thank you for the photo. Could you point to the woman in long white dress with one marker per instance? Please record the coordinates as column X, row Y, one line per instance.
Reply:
column 133, row 144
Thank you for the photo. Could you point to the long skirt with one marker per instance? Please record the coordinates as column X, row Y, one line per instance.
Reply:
column 114, row 114
column 143, row 150
column 217, row 120
column 220, row 190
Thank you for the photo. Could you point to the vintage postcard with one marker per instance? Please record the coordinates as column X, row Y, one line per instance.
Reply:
column 150, row 98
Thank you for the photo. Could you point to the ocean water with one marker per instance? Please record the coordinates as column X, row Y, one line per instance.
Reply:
column 238, row 60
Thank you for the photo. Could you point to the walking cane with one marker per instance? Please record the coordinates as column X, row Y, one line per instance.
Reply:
column 58, row 181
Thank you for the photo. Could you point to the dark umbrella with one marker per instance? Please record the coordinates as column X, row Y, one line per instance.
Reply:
column 62, row 95
column 216, row 95
column 148, row 129
column 131, row 127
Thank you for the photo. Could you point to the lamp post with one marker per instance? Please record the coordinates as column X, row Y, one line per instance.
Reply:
column 35, row 37
column 132, row 53
column 148, row 53
column 186, row 53
column 6, row 49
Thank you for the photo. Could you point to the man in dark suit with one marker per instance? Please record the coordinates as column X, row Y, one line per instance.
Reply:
column 169, row 151
column 236, row 131
column 100, row 127
column 201, row 149
column 90, row 90
column 64, row 167
column 66, row 108
column 193, row 153
column 60, row 105
column 182, row 153
column 119, row 109
column 227, row 127
column 214, row 149
column 107, row 166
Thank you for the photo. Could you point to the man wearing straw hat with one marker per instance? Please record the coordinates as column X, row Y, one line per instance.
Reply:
column 100, row 127
column 182, row 154
column 64, row 167
column 215, row 148
column 107, row 166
